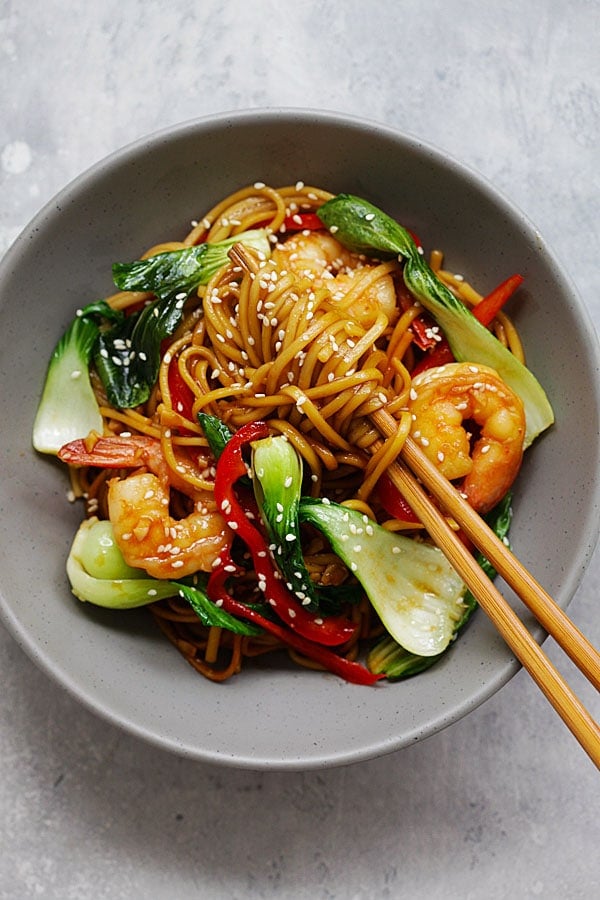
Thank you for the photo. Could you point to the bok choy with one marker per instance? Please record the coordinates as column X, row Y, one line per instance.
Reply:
column 99, row 575
column 127, row 356
column 411, row 585
column 389, row 658
column 68, row 409
column 277, row 480
column 364, row 228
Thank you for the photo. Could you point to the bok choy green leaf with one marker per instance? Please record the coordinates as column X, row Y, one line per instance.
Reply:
column 364, row 228
column 128, row 355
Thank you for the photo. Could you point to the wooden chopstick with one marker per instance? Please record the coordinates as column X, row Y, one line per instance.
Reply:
column 514, row 632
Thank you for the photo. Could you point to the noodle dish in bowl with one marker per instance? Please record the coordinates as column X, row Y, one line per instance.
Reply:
column 217, row 555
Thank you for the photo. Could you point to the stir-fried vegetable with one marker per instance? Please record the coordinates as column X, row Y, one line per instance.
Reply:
column 391, row 659
column 127, row 356
column 277, row 480
column 296, row 627
column 364, row 228
column 68, row 409
column 331, row 631
column 99, row 575
column 411, row 585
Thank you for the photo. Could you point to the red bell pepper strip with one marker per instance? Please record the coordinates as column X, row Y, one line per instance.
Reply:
column 438, row 356
column 394, row 502
column 426, row 334
column 302, row 222
column 351, row 671
column 487, row 309
column 182, row 396
column 328, row 630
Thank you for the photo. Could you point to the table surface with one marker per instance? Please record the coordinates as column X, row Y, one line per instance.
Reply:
column 501, row 804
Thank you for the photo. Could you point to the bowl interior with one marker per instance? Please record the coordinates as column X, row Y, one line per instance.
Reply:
column 150, row 191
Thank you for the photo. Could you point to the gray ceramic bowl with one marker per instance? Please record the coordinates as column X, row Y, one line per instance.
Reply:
column 116, row 663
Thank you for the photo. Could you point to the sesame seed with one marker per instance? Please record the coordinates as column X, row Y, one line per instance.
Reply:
column 177, row 564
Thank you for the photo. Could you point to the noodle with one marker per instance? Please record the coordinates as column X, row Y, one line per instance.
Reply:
column 307, row 354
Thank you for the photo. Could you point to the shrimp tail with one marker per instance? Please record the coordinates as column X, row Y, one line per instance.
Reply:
column 112, row 452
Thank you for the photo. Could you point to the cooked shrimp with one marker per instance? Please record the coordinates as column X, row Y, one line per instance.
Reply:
column 322, row 258
column 443, row 400
column 149, row 538
column 138, row 507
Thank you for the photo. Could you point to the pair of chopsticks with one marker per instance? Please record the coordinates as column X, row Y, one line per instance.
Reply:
column 551, row 617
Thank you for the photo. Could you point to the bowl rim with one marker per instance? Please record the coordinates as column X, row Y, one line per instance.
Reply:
column 267, row 116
